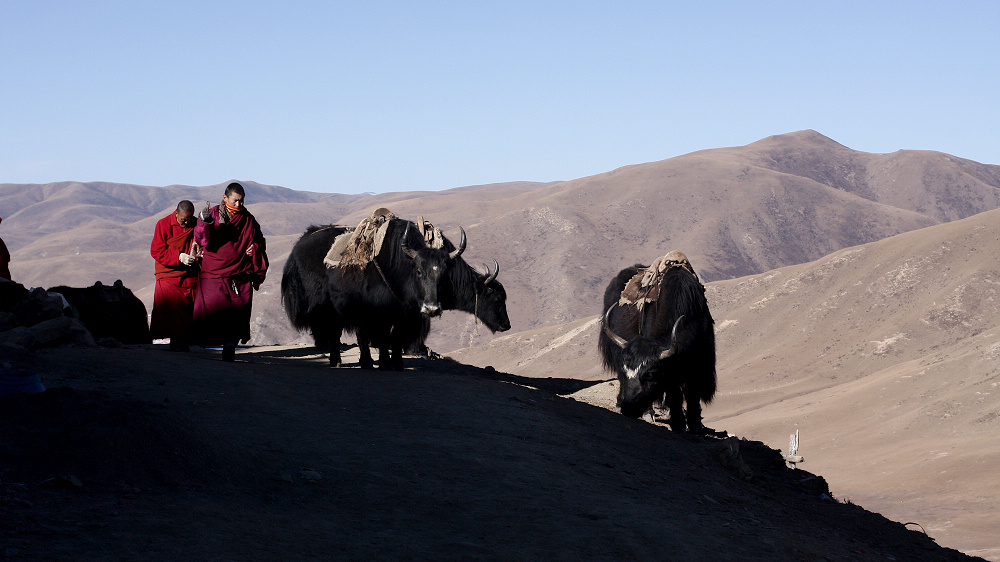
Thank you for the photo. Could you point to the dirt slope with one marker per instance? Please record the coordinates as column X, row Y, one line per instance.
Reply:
column 143, row 453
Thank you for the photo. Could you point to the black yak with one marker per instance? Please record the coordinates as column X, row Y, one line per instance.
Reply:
column 327, row 301
column 659, row 338
column 108, row 311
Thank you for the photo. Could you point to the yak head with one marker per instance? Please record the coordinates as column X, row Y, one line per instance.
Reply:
column 430, row 266
column 641, row 373
column 491, row 301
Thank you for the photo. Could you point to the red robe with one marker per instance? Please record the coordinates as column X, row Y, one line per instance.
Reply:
column 229, row 276
column 4, row 260
column 173, row 297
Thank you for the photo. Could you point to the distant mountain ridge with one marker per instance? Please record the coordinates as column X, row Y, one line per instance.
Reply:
column 938, row 185
column 733, row 211
column 60, row 206
column 736, row 211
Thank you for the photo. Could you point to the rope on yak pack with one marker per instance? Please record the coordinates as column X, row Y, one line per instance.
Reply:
column 475, row 319
column 387, row 285
column 347, row 229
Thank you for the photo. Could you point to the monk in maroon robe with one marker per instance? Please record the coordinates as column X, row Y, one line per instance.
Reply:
column 176, row 256
column 234, row 264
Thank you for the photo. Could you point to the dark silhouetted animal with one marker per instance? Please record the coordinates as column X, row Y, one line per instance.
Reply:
column 664, row 353
column 303, row 287
column 108, row 311
column 384, row 302
column 329, row 301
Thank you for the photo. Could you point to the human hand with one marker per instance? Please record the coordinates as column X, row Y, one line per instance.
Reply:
column 187, row 259
column 206, row 213
column 250, row 249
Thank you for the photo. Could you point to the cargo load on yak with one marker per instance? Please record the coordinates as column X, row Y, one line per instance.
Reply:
column 359, row 246
column 644, row 286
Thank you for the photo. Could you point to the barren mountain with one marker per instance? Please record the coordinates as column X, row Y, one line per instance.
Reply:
column 885, row 356
column 737, row 211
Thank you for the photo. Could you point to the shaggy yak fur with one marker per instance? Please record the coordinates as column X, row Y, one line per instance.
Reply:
column 108, row 311
column 328, row 301
column 664, row 353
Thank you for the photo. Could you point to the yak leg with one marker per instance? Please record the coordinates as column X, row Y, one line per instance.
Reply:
column 365, row 361
column 694, row 424
column 327, row 327
column 397, row 337
column 384, row 357
column 674, row 400
column 378, row 338
column 364, row 348
column 396, row 360
column 333, row 339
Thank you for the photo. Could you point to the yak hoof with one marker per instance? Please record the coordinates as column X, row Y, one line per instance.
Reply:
column 701, row 430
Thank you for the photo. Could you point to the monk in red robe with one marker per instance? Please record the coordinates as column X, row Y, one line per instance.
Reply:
column 234, row 264
column 176, row 257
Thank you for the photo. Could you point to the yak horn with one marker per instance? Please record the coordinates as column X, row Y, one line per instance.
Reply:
column 669, row 352
column 461, row 246
column 406, row 248
column 492, row 276
column 622, row 342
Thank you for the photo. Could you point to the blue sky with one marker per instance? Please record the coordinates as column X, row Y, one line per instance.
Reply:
column 351, row 97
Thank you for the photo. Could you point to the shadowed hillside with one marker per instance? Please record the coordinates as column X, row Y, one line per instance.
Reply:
column 146, row 454
column 884, row 356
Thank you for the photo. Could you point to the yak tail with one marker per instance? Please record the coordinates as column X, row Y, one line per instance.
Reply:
column 706, row 386
column 704, row 377
column 293, row 295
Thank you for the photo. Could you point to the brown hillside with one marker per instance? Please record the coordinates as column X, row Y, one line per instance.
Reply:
column 937, row 185
column 884, row 357
column 734, row 211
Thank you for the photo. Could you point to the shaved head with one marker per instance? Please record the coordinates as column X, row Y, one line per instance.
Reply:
column 185, row 214
column 235, row 186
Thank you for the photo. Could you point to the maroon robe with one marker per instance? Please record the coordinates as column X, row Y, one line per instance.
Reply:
column 4, row 260
column 173, row 296
column 229, row 276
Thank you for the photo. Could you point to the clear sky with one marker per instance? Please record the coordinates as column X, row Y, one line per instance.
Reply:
column 363, row 96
